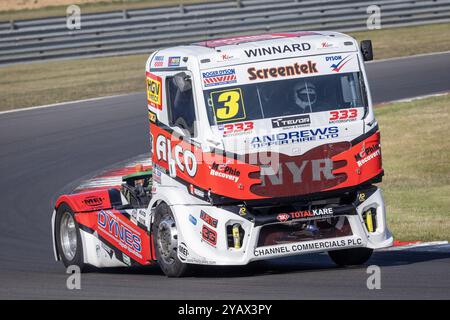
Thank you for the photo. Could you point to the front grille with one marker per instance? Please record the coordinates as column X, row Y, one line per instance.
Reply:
column 282, row 233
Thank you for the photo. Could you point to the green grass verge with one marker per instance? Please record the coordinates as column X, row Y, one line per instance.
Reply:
column 96, row 7
column 416, row 160
column 407, row 41
column 41, row 83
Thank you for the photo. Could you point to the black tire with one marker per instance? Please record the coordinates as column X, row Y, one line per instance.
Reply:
column 350, row 257
column 78, row 258
column 167, row 257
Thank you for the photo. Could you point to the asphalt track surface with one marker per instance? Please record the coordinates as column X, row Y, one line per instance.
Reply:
column 48, row 150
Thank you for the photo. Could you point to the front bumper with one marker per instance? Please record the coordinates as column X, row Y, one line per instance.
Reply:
column 204, row 234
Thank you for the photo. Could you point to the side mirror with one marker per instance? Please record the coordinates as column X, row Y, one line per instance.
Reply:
column 366, row 50
column 182, row 82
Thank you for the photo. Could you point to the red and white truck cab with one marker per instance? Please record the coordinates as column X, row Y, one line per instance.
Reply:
column 266, row 146
column 262, row 147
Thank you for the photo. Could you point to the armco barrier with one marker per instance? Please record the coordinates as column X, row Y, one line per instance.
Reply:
column 145, row 30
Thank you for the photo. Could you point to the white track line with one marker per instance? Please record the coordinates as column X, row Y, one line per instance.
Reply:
column 67, row 103
column 418, row 245
column 420, row 55
column 416, row 98
column 126, row 94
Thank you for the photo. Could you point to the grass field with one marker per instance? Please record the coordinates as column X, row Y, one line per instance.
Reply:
column 416, row 160
column 35, row 84
column 35, row 9
column 400, row 42
column 57, row 81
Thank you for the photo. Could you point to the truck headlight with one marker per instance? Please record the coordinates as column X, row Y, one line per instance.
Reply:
column 370, row 219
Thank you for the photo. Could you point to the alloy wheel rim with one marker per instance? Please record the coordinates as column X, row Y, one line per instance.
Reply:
column 68, row 236
column 167, row 239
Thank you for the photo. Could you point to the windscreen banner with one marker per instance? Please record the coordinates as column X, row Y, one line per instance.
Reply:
column 284, row 69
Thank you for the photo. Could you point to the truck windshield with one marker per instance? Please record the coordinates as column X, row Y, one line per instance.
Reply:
column 285, row 97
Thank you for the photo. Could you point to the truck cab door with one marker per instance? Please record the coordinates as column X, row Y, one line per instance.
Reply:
column 181, row 111
column 181, row 106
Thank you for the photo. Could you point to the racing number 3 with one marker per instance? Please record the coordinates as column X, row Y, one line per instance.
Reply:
column 230, row 100
column 228, row 105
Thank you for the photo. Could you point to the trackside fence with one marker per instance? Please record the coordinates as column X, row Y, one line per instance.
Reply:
column 145, row 30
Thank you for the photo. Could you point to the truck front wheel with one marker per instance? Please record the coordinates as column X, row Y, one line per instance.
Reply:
column 351, row 257
column 166, row 243
column 68, row 238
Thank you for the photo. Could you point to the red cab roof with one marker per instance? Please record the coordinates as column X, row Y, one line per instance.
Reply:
column 243, row 39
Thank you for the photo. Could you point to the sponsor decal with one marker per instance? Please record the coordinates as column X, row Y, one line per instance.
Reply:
column 236, row 129
column 310, row 246
column 292, row 137
column 126, row 259
column 174, row 61
column 288, row 48
column 196, row 192
column 142, row 216
column 361, row 197
column 192, row 220
column 291, row 122
column 152, row 116
column 184, row 159
column 133, row 216
column 156, row 176
column 200, row 261
column 225, row 57
column 209, row 235
column 326, row 45
column 123, row 234
column 93, row 201
column 338, row 62
column 158, row 61
column 208, row 219
column 159, row 168
column 154, row 91
column 282, row 217
column 311, row 172
column 314, row 213
column 284, row 71
column 219, row 77
column 243, row 211
column 228, row 105
column 224, row 171
column 183, row 252
column 314, row 170
column 367, row 154
column 345, row 115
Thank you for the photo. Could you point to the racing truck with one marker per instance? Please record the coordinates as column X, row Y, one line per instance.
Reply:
column 262, row 146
